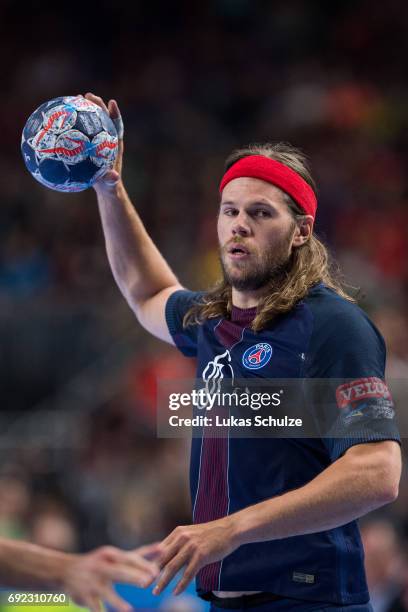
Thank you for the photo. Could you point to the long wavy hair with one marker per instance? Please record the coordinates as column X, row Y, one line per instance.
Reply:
column 308, row 264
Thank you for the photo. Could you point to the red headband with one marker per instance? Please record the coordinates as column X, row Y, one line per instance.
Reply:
column 272, row 171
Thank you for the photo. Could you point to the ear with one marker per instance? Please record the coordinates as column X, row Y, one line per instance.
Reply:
column 303, row 231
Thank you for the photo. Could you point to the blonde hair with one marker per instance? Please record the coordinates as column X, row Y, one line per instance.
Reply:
column 309, row 264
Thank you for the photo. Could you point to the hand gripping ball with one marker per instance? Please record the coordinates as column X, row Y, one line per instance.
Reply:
column 68, row 143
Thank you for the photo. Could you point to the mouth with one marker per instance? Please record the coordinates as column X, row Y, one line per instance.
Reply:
column 238, row 251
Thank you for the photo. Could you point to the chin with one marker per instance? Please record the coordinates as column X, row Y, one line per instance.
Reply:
column 241, row 277
column 245, row 283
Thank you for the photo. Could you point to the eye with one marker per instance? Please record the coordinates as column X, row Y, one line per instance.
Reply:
column 261, row 213
column 230, row 212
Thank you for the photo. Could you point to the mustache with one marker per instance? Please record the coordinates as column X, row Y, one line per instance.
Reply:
column 235, row 241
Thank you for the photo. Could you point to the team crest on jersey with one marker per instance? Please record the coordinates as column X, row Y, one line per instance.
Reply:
column 257, row 356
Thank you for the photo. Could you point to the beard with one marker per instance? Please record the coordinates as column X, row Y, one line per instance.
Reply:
column 260, row 270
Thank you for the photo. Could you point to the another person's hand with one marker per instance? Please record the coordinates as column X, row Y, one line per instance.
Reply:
column 112, row 177
column 89, row 578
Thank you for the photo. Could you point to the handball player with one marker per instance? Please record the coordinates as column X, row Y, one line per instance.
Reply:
column 274, row 520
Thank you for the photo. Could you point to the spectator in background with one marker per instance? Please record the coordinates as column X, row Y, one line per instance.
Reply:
column 386, row 567
column 54, row 529
column 14, row 504
column 393, row 324
column 25, row 270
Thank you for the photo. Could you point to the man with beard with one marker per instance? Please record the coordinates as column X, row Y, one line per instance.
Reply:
column 274, row 519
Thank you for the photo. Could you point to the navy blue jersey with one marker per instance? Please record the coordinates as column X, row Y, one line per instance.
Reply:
column 324, row 336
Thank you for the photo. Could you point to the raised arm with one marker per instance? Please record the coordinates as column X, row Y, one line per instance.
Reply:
column 142, row 274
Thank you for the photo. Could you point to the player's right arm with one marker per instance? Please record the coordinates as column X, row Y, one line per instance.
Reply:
column 141, row 272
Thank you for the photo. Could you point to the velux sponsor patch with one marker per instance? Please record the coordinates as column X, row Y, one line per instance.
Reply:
column 365, row 398
column 361, row 389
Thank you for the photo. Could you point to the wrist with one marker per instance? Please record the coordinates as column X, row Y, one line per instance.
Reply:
column 109, row 193
column 235, row 529
column 62, row 568
column 242, row 531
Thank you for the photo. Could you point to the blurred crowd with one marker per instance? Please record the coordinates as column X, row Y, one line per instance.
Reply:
column 80, row 462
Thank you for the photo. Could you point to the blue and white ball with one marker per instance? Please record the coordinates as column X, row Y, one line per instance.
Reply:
column 68, row 143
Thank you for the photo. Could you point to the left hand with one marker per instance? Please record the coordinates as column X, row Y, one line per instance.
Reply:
column 193, row 547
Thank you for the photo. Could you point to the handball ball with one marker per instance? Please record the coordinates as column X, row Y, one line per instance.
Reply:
column 68, row 143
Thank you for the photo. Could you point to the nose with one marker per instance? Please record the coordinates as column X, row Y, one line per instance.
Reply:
column 241, row 226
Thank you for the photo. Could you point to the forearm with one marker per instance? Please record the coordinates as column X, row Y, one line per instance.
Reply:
column 346, row 490
column 29, row 566
column 137, row 265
